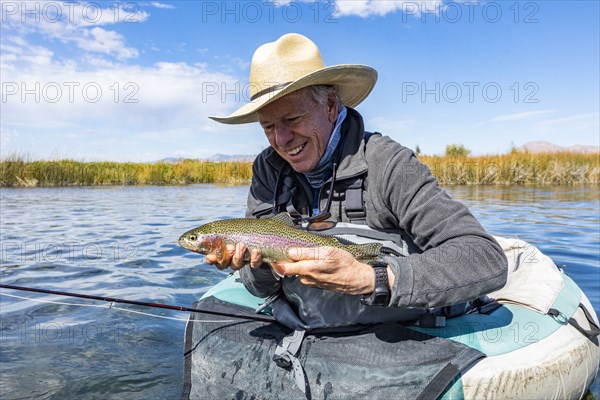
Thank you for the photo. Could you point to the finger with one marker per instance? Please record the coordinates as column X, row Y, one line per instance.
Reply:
column 237, row 261
column 221, row 266
column 211, row 258
column 302, row 268
column 284, row 268
column 255, row 258
column 279, row 268
column 225, row 260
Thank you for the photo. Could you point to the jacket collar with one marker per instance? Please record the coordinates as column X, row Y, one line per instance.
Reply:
column 352, row 161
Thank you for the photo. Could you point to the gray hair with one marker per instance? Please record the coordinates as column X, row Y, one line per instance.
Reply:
column 320, row 93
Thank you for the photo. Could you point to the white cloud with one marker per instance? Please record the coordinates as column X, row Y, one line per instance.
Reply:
column 156, row 4
column 96, row 107
column 369, row 8
column 74, row 22
column 521, row 116
column 16, row 52
column 98, row 104
column 99, row 40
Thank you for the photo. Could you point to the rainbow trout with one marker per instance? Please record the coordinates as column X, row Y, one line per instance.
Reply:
column 272, row 236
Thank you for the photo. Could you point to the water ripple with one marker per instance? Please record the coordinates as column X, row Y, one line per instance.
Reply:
column 122, row 242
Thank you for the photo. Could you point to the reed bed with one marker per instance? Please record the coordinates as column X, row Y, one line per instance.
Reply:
column 515, row 168
column 16, row 172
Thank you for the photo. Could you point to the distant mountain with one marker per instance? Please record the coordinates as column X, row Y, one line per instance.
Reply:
column 231, row 157
column 170, row 160
column 215, row 158
column 547, row 147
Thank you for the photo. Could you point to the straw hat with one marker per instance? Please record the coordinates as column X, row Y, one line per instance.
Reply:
column 293, row 62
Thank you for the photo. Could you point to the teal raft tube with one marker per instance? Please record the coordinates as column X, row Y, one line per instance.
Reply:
column 538, row 339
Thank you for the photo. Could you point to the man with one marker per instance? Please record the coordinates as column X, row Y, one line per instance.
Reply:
column 322, row 163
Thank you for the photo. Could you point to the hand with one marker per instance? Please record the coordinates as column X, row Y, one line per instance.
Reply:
column 235, row 257
column 329, row 268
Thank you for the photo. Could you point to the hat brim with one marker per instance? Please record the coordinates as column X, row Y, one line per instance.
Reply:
column 353, row 84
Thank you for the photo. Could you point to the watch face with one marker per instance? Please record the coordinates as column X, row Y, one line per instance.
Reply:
column 376, row 299
column 381, row 299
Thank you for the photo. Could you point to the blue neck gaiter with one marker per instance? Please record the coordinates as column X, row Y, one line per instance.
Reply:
column 322, row 171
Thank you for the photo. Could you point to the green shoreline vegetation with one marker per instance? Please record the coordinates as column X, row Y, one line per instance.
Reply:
column 514, row 168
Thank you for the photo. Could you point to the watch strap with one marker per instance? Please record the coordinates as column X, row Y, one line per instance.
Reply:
column 381, row 275
column 381, row 292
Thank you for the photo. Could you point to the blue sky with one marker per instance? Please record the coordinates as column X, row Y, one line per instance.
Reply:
column 136, row 81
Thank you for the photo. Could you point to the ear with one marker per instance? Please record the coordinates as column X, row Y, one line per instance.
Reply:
column 332, row 108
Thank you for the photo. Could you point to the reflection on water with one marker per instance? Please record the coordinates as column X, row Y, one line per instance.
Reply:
column 121, row 242
column 525, row 194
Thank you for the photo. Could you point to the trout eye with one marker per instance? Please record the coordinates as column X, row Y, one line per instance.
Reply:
column 193, row 237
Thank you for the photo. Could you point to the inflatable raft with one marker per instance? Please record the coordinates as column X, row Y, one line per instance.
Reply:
column 535, row 338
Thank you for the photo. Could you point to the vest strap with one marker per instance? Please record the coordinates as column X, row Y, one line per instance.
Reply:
column 355, row 206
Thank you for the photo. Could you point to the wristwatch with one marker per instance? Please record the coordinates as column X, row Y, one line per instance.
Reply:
column 381, row 293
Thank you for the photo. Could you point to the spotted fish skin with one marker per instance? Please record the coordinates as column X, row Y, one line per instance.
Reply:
column 272, row 236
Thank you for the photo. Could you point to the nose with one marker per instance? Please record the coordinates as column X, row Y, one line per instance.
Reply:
column 283, row 135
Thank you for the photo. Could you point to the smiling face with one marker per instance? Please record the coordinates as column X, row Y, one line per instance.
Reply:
column 298, row 127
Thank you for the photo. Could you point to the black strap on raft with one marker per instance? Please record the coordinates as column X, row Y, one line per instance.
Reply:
column 589, row 333
column 265, row 318
column 285, row 357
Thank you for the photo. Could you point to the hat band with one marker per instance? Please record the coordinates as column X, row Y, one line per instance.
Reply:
column 269, row 90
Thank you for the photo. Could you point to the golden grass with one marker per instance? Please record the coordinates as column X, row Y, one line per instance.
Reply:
column 515, row 168
column 16, row 172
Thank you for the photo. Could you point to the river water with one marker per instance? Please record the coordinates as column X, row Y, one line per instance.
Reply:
column 121, row 242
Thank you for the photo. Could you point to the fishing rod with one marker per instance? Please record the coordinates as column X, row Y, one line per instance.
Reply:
column 137, row 303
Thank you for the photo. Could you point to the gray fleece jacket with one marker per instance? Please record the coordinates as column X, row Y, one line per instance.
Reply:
column 456, row 259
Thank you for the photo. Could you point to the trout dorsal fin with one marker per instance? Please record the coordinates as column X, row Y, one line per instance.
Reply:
column 284, row 218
